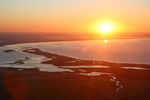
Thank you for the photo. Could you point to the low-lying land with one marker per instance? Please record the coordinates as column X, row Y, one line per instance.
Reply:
column 119, row 81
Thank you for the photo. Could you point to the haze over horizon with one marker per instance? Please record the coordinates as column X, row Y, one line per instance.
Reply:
column 75, row 16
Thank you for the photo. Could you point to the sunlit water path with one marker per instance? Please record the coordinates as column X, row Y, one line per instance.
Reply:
column 121, row 50
column 117, row 51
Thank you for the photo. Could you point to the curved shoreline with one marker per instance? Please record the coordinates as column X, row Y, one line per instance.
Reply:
column 60, row 60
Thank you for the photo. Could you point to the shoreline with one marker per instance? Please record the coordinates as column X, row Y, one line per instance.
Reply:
column 19, row 41
column 60, row 60
column 111, row 83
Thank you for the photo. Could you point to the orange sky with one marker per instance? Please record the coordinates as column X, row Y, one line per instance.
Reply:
column 71, row 16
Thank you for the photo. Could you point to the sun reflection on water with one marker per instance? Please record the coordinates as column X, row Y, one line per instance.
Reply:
column 105, row 41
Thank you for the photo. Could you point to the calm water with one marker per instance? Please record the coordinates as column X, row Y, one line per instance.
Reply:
column 121, row 50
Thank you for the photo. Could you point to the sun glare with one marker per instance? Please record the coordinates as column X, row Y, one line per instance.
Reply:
column 106, row 28
column 105, row 41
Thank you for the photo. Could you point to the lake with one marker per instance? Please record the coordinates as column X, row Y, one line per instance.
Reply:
column 118, row 50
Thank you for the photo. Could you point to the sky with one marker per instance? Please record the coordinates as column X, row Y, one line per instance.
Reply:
column 74, row 16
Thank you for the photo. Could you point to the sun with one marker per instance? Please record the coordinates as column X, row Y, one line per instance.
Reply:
column 106, row 28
